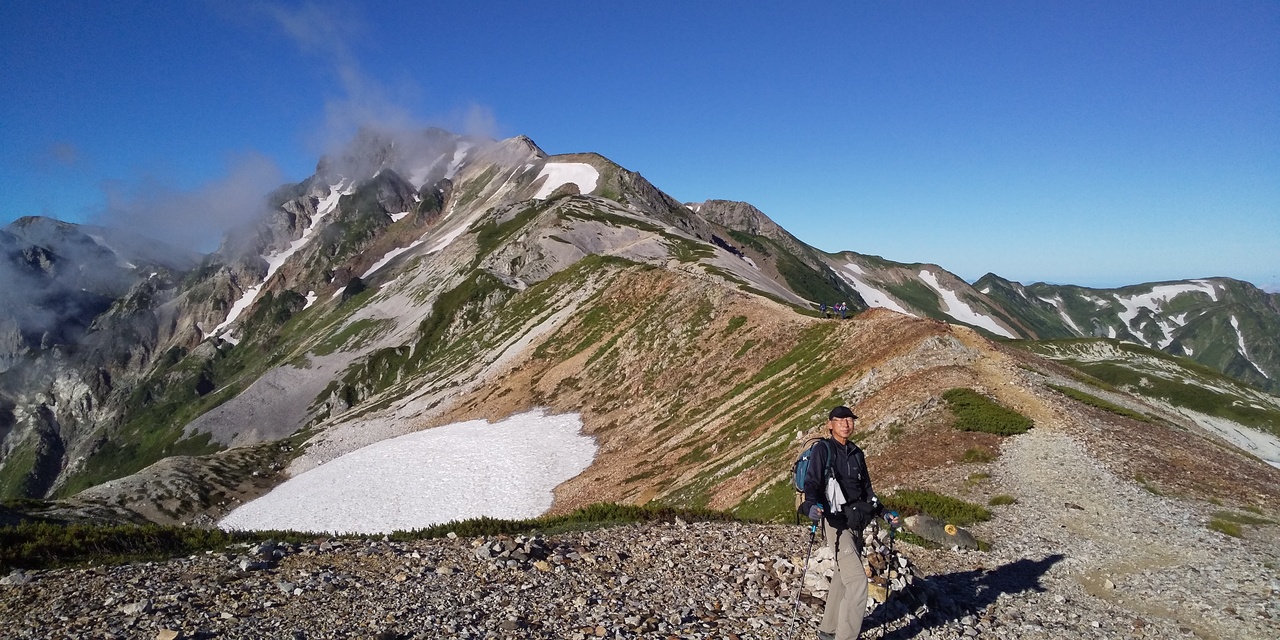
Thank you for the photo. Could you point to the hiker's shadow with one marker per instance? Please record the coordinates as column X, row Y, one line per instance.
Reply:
column 964, row 593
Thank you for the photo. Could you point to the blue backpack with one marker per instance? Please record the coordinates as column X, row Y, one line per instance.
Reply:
column 800, row 470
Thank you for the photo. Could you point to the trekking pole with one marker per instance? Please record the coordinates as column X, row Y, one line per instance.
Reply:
column 795, row 608
column 891, row 561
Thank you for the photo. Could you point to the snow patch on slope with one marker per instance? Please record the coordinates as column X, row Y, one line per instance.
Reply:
column 418, row 177
column 451, row 236
column 1058, row 304
column 871, row 295
column 1155, row 301
column 1159, row 296
column 1235, row 324
column 559, row 174
column 459, row 155
column 1263, row 445
column 275, row 260
column 391, row 255
column 430, row 477
column 958, row 309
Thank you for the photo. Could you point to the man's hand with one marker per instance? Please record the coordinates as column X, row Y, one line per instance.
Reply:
column 815, row 512
column 891, row 517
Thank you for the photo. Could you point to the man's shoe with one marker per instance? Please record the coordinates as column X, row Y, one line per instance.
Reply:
column 826, row 636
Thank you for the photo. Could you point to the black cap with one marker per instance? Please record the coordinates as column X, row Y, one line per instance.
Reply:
column 841, row 412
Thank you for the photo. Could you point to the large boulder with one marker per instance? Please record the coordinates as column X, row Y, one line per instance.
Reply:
column 935, row 530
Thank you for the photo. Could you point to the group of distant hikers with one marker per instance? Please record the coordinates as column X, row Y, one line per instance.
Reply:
column 831, row 310
column 837, row 496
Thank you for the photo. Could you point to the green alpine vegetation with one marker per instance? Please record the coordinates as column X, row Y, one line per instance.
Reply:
column 1099, row 403
column 909, row 502
column 1119, row 367
column 45, row 545
column 976, row 412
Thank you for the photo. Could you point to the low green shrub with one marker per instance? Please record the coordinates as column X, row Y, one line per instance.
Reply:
column 37, row 545
column 912, row 501
column 976, row 412
column 735, row 323
column 42, row 545
column 1146, row 484
column 1001, row 499
column 911, row 538
column 977, row 455
column 596, row 515
column 1229, row 528
column 1099, row 403
column 1240, row 518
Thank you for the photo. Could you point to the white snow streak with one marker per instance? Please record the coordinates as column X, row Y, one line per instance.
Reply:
column 1155, row 301
column 559, row 174
column 418, row 177
column 391, row 255
column 324, row 208
column 448, row 238
column 1097, row 302
column 958, row 309
column 1058, row 304
column 1263, row 445
column 1159, row 296
column 1235, row 324
column 750, row 262
column 871, row 295
column 397, row 217
column 459, row 155
column 455, row 472
column 311, row 299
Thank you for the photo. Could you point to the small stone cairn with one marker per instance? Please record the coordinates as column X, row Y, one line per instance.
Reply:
column 525, row 552
column 892, row 574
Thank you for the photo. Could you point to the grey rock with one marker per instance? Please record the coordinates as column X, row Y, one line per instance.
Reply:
column 936, row 531
column 17, row 578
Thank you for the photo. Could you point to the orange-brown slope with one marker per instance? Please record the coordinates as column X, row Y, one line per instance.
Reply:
column 701, row 395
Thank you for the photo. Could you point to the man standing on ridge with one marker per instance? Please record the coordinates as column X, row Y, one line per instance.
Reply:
column 837, row 490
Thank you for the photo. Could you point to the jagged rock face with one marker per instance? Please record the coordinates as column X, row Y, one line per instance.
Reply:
column 80, row 314
column 737, row 215
column 50, row 299
column 424, row 157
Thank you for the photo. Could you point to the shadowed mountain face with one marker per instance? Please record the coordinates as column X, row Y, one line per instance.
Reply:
column 61, row 277
column 420, row 279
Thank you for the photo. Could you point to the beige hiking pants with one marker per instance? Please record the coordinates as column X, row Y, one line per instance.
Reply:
column 847, row 600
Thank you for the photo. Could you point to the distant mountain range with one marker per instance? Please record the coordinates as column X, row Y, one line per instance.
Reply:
column 1227, row 324
column 418, row 279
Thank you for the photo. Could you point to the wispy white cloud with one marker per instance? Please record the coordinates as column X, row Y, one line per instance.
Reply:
column 361, row 100
column 194, row 218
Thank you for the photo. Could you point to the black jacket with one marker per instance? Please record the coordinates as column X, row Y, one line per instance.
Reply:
column 849, row 465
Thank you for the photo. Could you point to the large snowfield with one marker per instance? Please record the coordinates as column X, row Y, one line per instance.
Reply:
column 960, row 310
column 559, row 174
column 871, row 295
column 507, row 469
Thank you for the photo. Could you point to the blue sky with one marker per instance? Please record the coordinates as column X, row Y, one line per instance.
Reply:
column 1092, row 143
